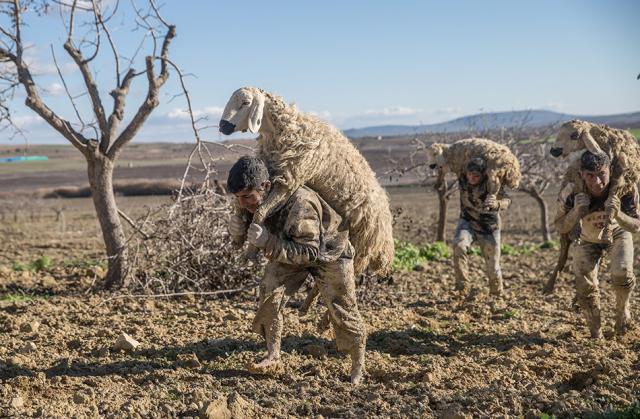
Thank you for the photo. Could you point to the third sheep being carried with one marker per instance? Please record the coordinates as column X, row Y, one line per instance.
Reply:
column 621, row 147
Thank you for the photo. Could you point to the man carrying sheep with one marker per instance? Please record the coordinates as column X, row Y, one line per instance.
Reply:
column 304, row 236
column 479, row 222
column 590, row 209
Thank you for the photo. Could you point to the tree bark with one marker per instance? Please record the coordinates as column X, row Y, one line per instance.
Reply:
column 544, row 214
column 100, row 170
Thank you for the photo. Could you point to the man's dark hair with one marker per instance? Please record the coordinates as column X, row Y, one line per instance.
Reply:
column 594, row 161
column 247, row 173
column 476, row 164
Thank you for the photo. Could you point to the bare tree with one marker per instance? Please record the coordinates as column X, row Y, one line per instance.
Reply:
column 100, row 139
column 539, row 172
column 445, row 186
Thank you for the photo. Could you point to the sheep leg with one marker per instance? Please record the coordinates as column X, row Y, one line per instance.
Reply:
column 565, row 244
column 493, row 187
column 238, row 241
column 312, row 297
column 618, row 167
column 279, row 193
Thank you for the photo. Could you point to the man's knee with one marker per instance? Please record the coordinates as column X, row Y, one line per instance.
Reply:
column 587, row 294
column 623, row 279
column 461, row 247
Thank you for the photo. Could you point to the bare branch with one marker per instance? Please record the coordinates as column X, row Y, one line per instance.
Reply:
column 151, row 101
column 66, row 88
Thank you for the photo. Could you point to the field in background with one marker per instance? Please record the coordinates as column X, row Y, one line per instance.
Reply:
column 430, row 351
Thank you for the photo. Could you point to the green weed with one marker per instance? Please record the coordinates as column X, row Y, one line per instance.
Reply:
column 15, row 298
column 37, row 265
column 409, row 255
column 630, row 412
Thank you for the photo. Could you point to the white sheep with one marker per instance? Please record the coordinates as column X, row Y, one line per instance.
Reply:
column 621, row 147
column 300, row 149
column 503, row 167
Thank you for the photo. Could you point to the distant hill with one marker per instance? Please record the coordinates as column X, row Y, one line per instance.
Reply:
column 495, row 120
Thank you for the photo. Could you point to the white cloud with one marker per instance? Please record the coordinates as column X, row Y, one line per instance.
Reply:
column 326, row 115
column 27, row 121
column 42, row 64
column 210, row 112
column 54, row 89
column 393, row 111
column 553, row 106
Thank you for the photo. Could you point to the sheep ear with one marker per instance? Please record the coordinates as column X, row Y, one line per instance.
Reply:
column 255, row 115
column 590, row 143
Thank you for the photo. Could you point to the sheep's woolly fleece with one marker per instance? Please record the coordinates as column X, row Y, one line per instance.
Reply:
column 503, row 167
column 301, row 149
column 615, row 142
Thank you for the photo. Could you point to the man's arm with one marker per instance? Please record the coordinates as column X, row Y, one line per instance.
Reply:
column 568, row 216
column 627, row 217
column 504, row 200
column 499, row 203
column 303, row 230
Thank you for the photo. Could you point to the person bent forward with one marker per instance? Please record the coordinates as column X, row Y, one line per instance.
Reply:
column 304, row 236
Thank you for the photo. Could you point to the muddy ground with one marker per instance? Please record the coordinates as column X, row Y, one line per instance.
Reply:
column 431, row 353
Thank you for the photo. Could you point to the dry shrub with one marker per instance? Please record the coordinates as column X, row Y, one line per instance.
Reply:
column 188, row 248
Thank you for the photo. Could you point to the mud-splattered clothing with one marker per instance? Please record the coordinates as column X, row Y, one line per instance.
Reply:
column 588, row 251
column 478, row 225
column 593, row 222
column 471, row 200
column 307, row 237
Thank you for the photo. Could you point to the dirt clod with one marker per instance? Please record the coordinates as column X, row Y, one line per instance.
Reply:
column 125, row 343
column 30, row 327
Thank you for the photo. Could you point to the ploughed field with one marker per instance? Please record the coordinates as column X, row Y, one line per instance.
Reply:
column 431, row 353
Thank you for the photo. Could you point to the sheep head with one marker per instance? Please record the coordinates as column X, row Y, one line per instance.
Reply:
column 435, row 155
column 574, row 136
column 243, row 111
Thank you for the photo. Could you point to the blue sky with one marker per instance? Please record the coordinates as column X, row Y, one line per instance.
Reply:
column 361, row 63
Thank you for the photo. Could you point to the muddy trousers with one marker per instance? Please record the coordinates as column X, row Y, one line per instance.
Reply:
column 489, row 246
column 336, row 283
column 586, row 258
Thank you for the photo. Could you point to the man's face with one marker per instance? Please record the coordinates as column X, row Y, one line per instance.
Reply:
column 596, row 180
column 474, row 178
column 250, row 199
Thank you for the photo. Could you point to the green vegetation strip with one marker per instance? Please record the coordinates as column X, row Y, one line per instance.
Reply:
column 409, row 255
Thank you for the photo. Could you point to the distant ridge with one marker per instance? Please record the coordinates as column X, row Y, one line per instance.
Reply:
column 495, row 120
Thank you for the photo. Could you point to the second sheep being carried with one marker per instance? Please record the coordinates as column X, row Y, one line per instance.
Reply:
column 503, row 167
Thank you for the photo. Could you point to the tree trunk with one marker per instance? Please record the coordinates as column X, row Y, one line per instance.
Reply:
column 101, row 182
column 544, row 217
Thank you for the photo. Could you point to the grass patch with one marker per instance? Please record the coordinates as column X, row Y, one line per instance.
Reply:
column 36, row 265
column 550, row 244
column 636, row 132
column 15, row 298
column 408, row 255
column 630, row 412
column 525, row 249
column 85, row 263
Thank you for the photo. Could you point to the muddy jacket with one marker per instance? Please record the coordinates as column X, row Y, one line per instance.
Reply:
column 306, row 230
column 471, row 201
column 593, row 222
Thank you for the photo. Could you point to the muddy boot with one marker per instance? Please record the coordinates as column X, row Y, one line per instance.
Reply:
column 495, row 286
column 622, row 311
column 592, row 315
